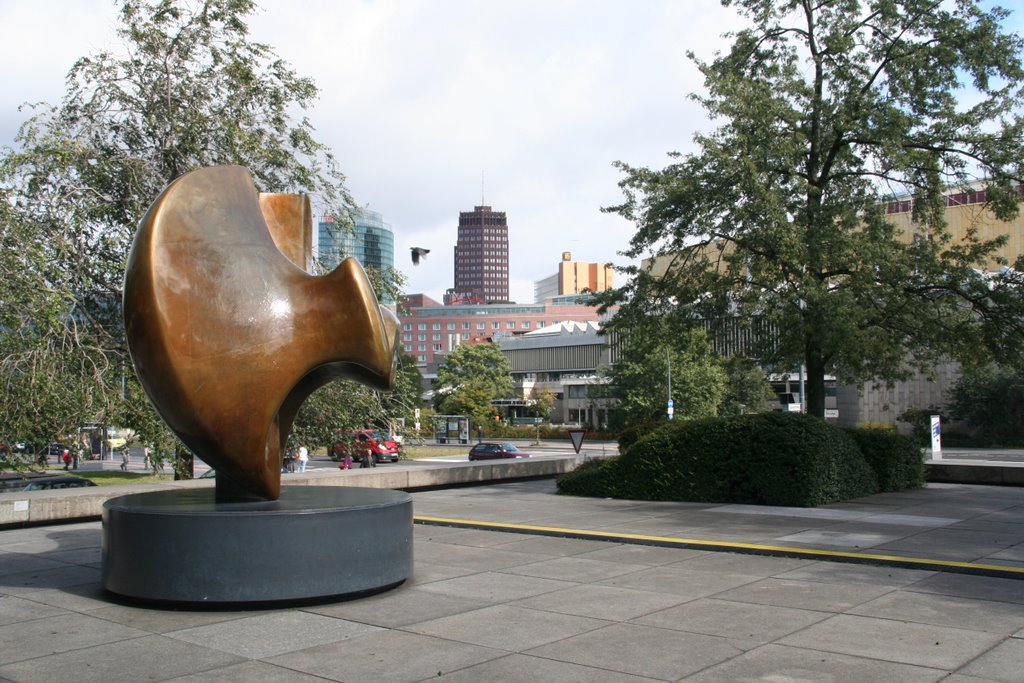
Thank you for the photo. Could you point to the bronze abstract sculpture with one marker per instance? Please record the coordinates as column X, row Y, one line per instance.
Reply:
column 229, row 335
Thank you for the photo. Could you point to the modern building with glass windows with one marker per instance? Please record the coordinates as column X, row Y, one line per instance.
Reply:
column 371, row 241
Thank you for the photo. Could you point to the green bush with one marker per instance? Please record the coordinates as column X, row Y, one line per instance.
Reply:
column 630, row 435
column 596, row 478
column 895, row 458
column 767, row 458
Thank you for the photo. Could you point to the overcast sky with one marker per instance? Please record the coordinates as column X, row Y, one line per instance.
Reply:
column 420, row 99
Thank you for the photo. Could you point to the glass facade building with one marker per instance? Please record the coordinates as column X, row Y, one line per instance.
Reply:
column 371, row 242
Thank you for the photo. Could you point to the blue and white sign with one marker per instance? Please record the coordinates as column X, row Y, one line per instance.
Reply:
column 671, row 409
column 936, row 438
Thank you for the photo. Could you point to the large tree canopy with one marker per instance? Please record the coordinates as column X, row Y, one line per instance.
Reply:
column 657, row 363
column 472, row 376
column 189, row 89
column 825, row 111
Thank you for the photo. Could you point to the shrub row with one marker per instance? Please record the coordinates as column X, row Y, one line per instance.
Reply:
column 767, row 459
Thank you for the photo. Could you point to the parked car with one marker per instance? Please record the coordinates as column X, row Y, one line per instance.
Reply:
column 365, row 443
column 66, row 482
column 491, row 450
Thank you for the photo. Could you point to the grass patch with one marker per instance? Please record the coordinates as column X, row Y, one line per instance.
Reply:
column 417, row 452
column 111, row 478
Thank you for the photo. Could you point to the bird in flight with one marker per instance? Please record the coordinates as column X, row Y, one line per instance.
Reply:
column 417, row 254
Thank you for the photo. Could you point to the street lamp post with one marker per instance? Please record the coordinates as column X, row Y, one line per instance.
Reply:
column 671, row 407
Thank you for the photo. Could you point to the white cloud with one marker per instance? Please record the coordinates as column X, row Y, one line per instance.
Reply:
column 419, row 97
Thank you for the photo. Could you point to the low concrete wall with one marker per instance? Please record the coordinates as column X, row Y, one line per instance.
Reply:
column 994, row 474
column 41, row 507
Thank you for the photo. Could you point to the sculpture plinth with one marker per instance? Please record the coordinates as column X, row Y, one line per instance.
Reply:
column 229, row 334
column 314, row 543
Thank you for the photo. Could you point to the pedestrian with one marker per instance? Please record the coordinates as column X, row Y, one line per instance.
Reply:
column 303, row 458
column 346, row 462
column 124, row 460
column 66, row 457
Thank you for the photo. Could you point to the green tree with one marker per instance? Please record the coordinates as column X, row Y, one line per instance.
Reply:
column 191, row 90
column 652, row 357
column 472, row 376
column 345, row 404
column 826, row 110
column 542, row 402
column 991, row 399
column 747, row 389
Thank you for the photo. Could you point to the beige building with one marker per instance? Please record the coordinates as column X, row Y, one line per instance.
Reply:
column 574, row 277
column 965, row 213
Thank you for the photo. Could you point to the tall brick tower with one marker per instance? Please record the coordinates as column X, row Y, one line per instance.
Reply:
column 481, row 257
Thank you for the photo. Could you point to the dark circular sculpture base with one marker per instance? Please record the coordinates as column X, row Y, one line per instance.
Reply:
column 313, row 544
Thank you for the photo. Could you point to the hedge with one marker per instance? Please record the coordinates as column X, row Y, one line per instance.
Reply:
column 896, row 458
column 767, row 458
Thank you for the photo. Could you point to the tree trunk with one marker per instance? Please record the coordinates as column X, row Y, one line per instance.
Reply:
column 814, row 381
column 183, row 463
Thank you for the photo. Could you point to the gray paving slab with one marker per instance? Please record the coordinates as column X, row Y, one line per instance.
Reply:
column 393, row 656
column 639, row 650
column 734, row 620
column 812, row 595
column 1001, row 663
column 945, row 610
column 581, row 569
column 780, row 663
column 274, row 633
column 248, row 672
column 150, row 658
column 676, row 580
column 896, row 641
column 494, row 587
column 602, row 602
column 36, row 638
column 507, row 627
column 400, row 607
column 489, row 605
column 517, row 667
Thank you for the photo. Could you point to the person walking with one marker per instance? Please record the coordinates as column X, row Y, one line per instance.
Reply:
column 124, row 459
column 303, row 458
column 66, row 457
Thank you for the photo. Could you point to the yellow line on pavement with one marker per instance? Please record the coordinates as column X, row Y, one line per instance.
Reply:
column 758, row 548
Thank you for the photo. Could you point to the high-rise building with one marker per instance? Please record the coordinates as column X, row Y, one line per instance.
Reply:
column 371, row 241
column 481, row 257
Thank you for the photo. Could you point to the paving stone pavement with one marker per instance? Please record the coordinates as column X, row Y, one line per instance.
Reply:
column 487, row 605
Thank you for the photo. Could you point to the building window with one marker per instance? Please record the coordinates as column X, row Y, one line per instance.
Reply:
column 437, row 337
column 526, row 324
column 511, row 325
column 437, row 347
column 407, row 326
column 421, row 326
column 421, row 358
column 421, row 347
column 406, row 337
column 465, row 326
column 576, row 391
column 451, row 326
column 436, row 326
column 465, row 335
column 495, row 326
column 423, row 337
column 408, row 348
column 480, row 326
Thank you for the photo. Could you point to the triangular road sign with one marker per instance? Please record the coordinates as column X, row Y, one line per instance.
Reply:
column 577, row 438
